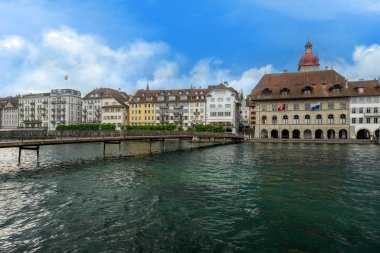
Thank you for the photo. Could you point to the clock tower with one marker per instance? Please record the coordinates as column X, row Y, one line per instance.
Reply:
column 308, row 61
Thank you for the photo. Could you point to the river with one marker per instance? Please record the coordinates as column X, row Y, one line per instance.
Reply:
column 246, row 197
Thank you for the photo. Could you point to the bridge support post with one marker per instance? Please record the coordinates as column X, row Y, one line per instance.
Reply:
column 36, row 148
column 111, row 142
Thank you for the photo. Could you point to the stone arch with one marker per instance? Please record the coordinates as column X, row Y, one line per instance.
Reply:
column 285, row 134
column 307, row 134
column 342, row 134
column 264, row 134
column 296, row 134
column 363, row 134
column 330, row 134
column 318, row 134
column 274, row 134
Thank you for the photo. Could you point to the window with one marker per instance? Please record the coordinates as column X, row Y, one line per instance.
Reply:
column 368, row 110
column 228, row 99
column 228, row 105
column 284, row 91
column 220, row 99
column 343, row 105
column 319, row 119
column 353, row 110
column 342, row 119
column 353, row 120
column 307, row 106
column 212, row 106
column 296, row 107
column 369, row 100
column 375, row 109
column 368, row 120
column 360, row 109
column 296, row 119
column 360, row 120
column 263, row 120
column 375, row 120
column 264, row 108
column 353, row 100
column 330, row 119
column 227, row 114
column 220, row 114
column 331, row 105
column 212, row 99
column 220, row 106
column 307, row 119
column 274, row 107
column 285, row 119
column 274, row 120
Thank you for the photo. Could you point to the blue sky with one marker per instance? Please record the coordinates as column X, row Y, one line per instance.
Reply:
column 174, row 44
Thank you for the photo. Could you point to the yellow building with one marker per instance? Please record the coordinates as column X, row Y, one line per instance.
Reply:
column 142, row 108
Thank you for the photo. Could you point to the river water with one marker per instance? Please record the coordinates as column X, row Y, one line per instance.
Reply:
column 232, row 198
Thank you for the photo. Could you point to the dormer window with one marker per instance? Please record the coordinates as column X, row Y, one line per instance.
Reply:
column 284, row 91
column 360, row 89
column 307, row 90
column 336, row 88
column 267, row 92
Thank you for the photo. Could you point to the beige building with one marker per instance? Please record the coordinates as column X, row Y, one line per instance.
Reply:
column 309, row 104
column 105, row 106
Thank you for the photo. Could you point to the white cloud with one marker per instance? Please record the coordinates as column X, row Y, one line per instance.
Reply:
column 39, row 66
column 365, row 65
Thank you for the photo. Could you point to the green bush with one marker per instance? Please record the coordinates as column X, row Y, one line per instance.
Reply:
column 210, row 128
column 168, row 127
column 86, row 127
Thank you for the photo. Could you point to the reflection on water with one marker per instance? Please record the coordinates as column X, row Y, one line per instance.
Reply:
column 246, row 197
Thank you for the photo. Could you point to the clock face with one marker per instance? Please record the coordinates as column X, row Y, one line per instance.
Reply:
column 308, row 50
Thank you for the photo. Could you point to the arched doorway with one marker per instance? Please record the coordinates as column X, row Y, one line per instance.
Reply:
column 285, row 134
column 307, row 134
column 363, row 134
column 330, row 134
column 296, row 134
column 274, row 134
column 264, row 134
column 319, row 134
column 377, row 134
column 343, row 134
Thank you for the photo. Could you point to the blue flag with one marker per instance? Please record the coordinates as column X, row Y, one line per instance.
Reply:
column 315, row 107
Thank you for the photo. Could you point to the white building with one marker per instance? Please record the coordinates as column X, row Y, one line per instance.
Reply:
column 34, row 110
column 9, row 115
column 65, row 107
column 222, row 107
column 244, row 114
column 364, row 109
column 48, row 110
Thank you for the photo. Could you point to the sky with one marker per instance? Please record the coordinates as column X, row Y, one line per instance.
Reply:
column 171, row 44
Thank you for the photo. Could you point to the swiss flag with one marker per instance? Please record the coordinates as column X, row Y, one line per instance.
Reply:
column 281, row 107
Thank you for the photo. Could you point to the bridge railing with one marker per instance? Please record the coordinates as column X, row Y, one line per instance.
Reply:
column 44, row 134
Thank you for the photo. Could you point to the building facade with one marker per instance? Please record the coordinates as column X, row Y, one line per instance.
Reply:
column 9, row 115
column 222, row 107
column 34, row 110
column 65, row 107
column 365, row 109
column 105, row 105
column 308, row 104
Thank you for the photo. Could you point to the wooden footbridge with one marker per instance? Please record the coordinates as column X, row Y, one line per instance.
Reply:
column 33, row 140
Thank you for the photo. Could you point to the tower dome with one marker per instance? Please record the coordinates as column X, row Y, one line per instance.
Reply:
column 308, row 61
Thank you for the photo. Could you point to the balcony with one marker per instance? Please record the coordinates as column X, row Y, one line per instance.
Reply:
column 45, row 102
column 196, row 113
column 32, row 121
column 372, row 114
